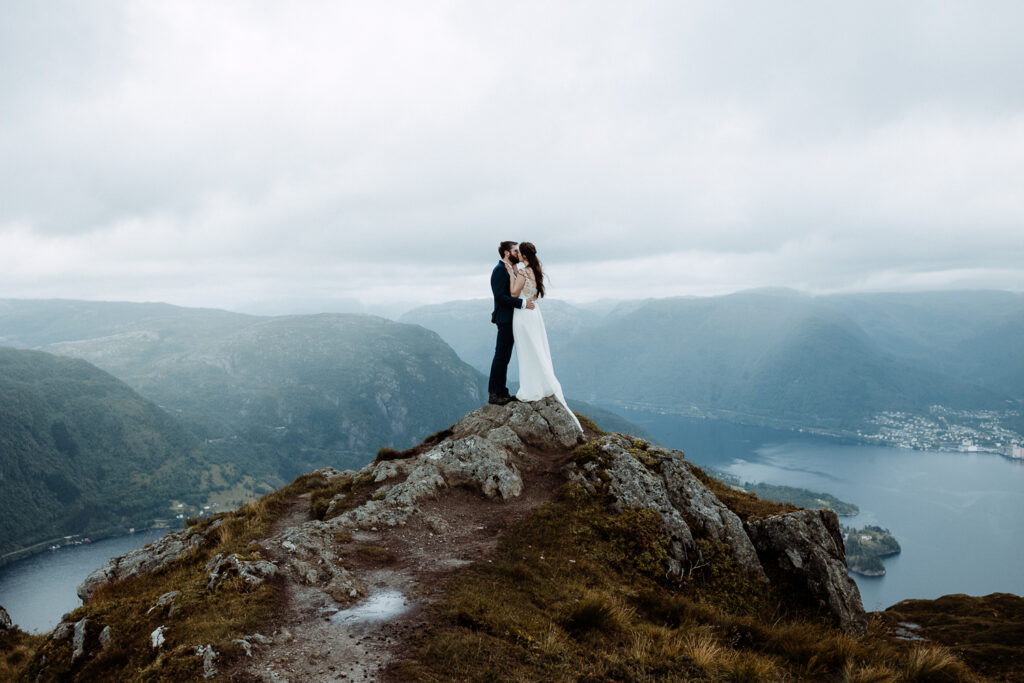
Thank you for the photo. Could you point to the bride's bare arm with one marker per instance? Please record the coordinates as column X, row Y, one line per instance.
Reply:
column 516, row 281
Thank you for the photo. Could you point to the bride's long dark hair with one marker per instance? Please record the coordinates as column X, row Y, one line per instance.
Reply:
column 529, row 252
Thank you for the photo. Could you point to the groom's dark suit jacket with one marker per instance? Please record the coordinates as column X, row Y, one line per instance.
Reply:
column 504, row 302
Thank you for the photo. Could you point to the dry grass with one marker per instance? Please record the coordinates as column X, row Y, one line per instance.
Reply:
column 597, row 608
column 597, row 612
column 750, row 667
column 852, row 673
column 320, row 499
column 934, row 665
column 16, row 648
column 985, row 632
column 200, row 617
column 703, row 649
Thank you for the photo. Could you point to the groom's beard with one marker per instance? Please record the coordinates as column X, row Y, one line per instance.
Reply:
column 512, row 259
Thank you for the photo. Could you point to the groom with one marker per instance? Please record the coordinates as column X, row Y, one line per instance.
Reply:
column 504, row 302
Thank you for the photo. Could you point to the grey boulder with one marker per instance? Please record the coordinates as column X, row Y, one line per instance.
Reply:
column 698, row 503
column 545, row 424
column 805, row 548
column 149, row 558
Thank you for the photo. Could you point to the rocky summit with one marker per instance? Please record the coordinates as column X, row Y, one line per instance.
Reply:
column 510, row 546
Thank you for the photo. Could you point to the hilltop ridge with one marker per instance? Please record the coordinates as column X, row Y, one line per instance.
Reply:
column 510, row 546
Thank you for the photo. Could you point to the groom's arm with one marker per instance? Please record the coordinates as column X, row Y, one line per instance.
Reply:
column 499, row 278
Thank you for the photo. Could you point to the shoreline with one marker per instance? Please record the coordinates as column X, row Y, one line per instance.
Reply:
column 61, row 542
column 850, row 435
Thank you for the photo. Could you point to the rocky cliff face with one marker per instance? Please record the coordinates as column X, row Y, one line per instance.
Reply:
column 340, row 543
column 803, row 549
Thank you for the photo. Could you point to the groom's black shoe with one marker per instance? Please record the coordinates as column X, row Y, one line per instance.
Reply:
column 498, row 400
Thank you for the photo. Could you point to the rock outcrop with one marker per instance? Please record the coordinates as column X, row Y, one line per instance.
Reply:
column 165, row 603
column 638, row 476
column 209, row 657
column 696, row 502
column 251, row 572
column 478, row 454
column 311, row 558
column 149, row 558
column 84, row 635
column 545, row 425
column 106, row 637
column 632, row 485
column 78, row 639
column 157, row 638
column 5, row 620
column 806, row 548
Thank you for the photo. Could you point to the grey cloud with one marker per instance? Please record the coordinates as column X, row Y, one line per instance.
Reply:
column 802, row 144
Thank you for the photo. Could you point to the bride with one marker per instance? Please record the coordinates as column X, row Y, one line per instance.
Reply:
column 536, row 373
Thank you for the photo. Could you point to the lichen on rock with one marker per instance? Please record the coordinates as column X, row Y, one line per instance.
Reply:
column 252, row 572
column 312, row 558
column 545, row 424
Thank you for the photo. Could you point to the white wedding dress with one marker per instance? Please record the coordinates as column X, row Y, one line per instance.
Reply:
column 536, row 373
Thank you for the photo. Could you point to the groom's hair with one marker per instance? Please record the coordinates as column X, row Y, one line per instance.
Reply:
column 505, row 246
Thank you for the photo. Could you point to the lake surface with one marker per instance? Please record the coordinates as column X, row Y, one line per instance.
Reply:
column 38, row 590
column 958, row 516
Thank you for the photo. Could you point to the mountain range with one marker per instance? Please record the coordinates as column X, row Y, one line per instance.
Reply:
column 208, row 400
column 776, row 356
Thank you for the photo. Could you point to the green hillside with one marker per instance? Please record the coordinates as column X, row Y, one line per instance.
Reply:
column 81, row 453
column 283, row 395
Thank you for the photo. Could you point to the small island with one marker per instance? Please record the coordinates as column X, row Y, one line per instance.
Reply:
column 866, row 547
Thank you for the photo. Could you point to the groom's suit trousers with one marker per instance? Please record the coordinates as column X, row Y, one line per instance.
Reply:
column 498, row 381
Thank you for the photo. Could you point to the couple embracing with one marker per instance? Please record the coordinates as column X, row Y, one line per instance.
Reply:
column 517, row 283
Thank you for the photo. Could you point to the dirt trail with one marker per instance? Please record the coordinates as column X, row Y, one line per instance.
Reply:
column 403, row 569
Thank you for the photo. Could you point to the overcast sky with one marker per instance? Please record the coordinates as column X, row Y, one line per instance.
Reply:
column 290, row 156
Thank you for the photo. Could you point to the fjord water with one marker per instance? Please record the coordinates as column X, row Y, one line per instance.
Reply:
column 959, row 517
column 38, row 590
